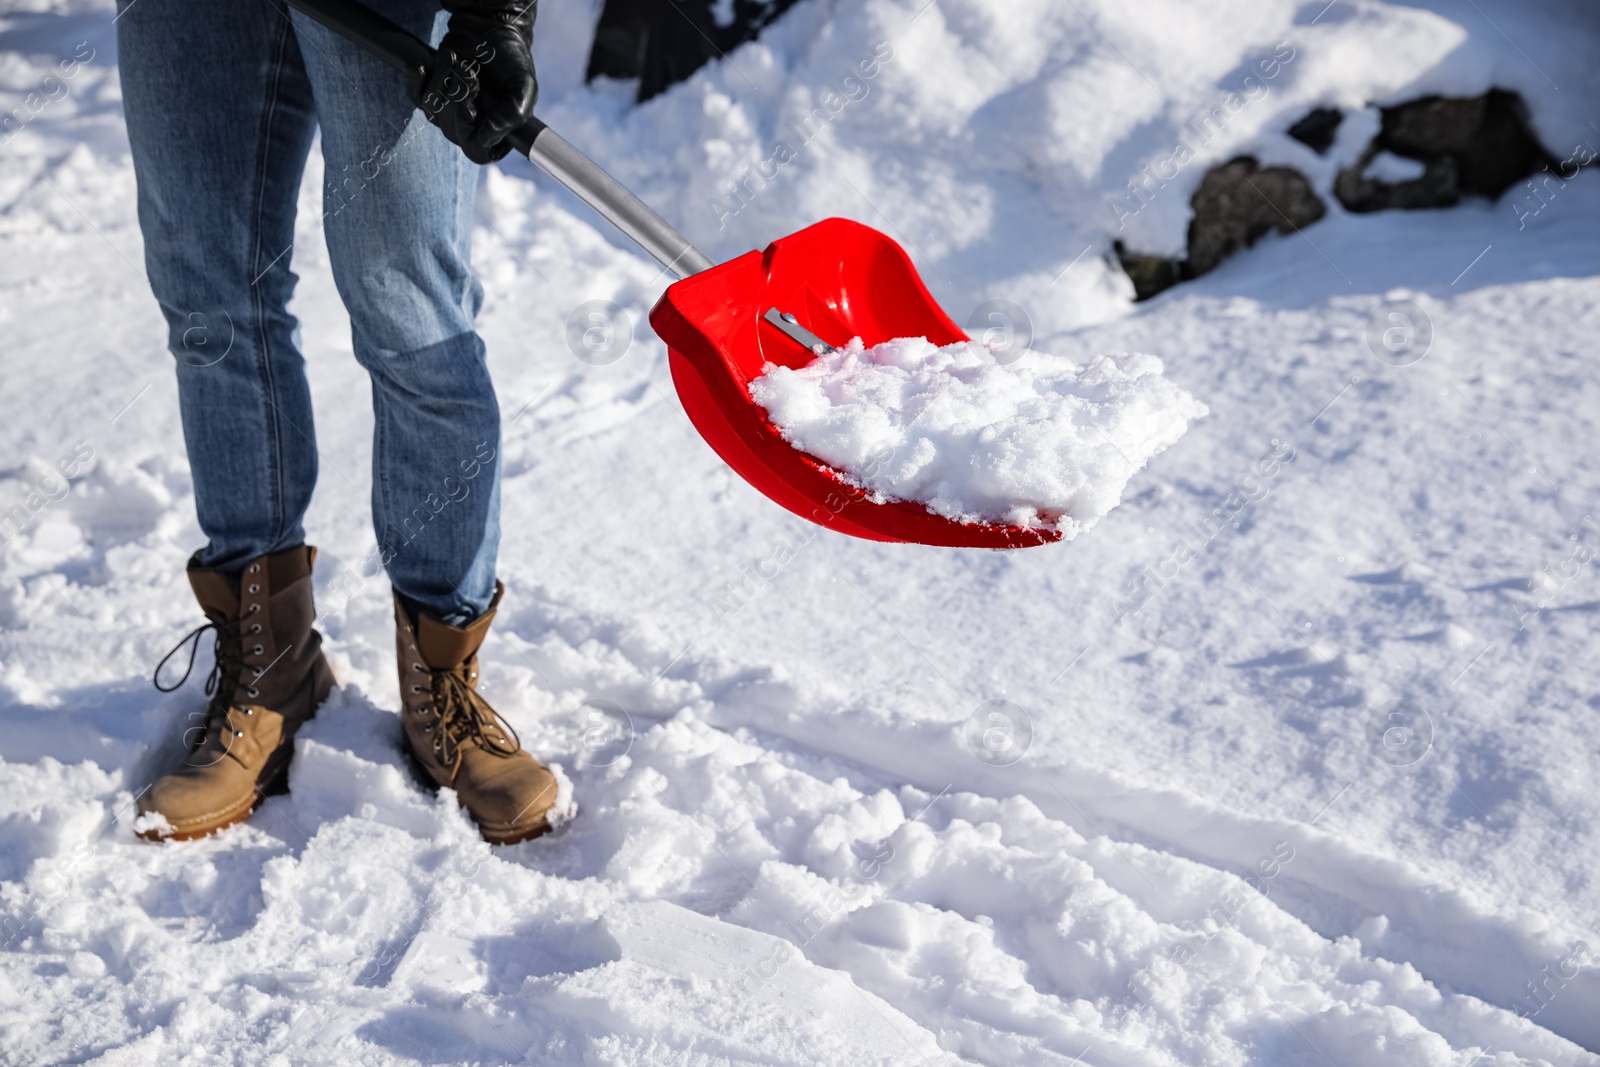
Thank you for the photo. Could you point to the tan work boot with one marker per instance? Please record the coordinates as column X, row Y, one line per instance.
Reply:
column 458, row 740
column 268, row 679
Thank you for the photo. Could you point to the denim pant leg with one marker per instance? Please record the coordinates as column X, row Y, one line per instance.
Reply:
column 398, row 214
column 220, row 121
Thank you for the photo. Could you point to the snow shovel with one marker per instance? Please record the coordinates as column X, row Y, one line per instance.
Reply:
column 723, row 323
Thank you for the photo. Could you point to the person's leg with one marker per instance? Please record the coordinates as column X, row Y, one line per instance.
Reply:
column 398, row 217
column 219, row 119
column 220, row 122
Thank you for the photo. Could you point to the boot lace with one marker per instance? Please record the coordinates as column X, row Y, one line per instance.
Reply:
column 465, row 718
column 227, row 665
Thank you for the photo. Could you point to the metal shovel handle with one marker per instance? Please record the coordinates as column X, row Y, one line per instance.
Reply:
column 543, row 146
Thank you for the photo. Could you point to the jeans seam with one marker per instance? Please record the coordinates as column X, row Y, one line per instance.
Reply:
column 380, row 473
column 270, row 414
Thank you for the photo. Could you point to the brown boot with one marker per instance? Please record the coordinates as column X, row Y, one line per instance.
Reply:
column 457, row 739
column 268, row 679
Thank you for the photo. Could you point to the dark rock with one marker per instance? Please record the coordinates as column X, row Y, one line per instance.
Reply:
column 1469, row 146
column 1150, row 274
column 1240, row 202
column 1236, row 205
column 663, row 42
column 1317, row 130
column 620, row 40
column 1439, row 186
column 1488, row 136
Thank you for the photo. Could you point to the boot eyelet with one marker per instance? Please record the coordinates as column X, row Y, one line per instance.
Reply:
column 255, row 567
column 253, row 694
column 428, row 729
column 256, row 672
column 253, row 609
column 418, row 667
column 416, row 689
column 238, row 733
column 254, row 588
column 257, row 650
column 256, row 628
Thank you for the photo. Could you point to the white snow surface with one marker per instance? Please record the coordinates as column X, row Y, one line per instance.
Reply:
column 1289, row 762
column 1388, row 167
column 1033, row 441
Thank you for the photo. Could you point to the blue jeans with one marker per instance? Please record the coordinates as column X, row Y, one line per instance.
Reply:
column 222, row 100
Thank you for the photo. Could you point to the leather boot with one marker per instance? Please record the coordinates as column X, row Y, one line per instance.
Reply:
column 456, row 739
column 268, row 679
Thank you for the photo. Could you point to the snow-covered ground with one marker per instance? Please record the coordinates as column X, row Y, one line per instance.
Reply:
column 1287, row 762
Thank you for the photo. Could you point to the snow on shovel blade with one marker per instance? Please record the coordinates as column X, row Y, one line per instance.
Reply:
column 841, row 280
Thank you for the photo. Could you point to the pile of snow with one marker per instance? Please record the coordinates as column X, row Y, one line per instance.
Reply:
column 1040, row 442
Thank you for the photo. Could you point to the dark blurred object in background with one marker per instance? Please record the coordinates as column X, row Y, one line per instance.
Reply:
column 1318, row 129
column 1468, row 146
column 662, row 42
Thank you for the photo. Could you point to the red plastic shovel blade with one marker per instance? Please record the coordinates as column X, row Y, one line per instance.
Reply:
column 842, row 280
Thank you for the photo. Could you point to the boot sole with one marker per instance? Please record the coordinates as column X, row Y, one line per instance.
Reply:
column 513, row 837
column 494, row 837
column 274, row 779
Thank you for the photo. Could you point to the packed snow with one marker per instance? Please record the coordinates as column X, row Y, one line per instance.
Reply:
column 1027, row 439
column 1288, row 763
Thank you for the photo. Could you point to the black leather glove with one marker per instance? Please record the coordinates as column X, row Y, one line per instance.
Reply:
column 482, row 84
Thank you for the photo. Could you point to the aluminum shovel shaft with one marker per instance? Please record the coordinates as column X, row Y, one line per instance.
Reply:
column 548, row 150
column 551, row 153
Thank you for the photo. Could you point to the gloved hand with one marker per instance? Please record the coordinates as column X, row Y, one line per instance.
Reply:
column 482, row 83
